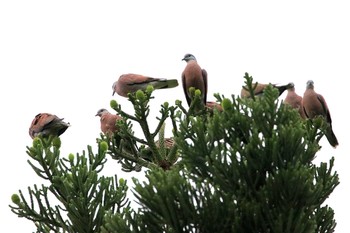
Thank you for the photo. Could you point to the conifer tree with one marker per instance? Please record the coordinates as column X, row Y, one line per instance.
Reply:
column 83, row 196
column 248, row 168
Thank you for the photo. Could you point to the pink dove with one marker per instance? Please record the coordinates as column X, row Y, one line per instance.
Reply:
column 108, row 121
column 194, row 76
column 46, row 124
column 130, row 83
column 315, row 105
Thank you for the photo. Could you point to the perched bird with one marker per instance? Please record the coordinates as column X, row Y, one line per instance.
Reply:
column 46, row 124
column 108, row 121
column 315, row 105
column 194, row 76
column 259, row 89
column 294, row 100
column 130, row 83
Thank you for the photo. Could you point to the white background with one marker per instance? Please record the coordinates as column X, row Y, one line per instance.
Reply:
column 62, row 57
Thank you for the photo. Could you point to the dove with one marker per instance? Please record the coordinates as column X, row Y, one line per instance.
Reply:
column 259, row 89
column 194, row 76
column 294, row 100
column 108, row 121
column 130, row 83
column 46, row 124
column 315, row 105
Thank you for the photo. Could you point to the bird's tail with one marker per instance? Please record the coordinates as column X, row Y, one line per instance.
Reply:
column 332, row 139
column 167, row 83
column 62, row 126
column 282, row 88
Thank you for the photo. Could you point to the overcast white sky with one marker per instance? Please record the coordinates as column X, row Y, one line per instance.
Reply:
column 62, row 57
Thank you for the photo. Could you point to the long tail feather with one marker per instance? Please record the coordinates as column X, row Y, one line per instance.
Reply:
column 166, row 83
column 332, row 139
column 281, row 89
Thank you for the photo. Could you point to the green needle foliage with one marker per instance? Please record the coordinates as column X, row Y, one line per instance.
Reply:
column 135, row 152
column 247, row 168
column 82, row 196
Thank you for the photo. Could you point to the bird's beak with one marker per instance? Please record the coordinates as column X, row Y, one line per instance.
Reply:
column 113, row 93
column 96, row 114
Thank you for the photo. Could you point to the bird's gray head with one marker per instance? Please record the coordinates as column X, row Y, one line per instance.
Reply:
column 188, row 57
column 114, row 87
column 101, row 112
column 310, row 84
column 290, row 85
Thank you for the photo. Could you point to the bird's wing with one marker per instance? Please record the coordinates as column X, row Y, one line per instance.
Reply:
column 205, row 79
column 188, row 99
column 324, row 108
column 134, row 79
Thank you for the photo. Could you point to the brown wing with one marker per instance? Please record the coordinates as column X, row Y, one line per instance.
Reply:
column 258, row 90
column 184, row 85
column 205, row 79
column 325, row 109
column 332, row 139
column 133, row 79
column 40, row 122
